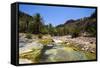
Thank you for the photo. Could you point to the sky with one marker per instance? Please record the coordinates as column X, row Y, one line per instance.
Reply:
column 56, row 15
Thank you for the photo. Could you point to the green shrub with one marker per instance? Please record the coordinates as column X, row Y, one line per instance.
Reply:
column 74, row 35
column 40, row 36
column 29, row 36
column 45, row 41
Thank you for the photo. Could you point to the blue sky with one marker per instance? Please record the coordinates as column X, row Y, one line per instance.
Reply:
column 56, row 15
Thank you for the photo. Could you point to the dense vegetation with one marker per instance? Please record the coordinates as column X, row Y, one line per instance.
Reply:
column 35, row 25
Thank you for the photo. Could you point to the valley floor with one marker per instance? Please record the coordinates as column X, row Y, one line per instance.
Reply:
column 55, row 49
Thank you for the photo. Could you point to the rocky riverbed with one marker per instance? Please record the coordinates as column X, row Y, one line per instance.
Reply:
column 55, row 49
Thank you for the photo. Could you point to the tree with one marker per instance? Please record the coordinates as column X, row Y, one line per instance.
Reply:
column 37, row 24
column 24, row 20
column 27, row 25
column 91, row 29
column 50, row 29
column 44, row 30
column 65, row 29
column 22, row 26
column 30, row 27
column 75, row 33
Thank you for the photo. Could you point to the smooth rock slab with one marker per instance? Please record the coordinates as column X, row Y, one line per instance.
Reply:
column 30, row 46
column 24, row 61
